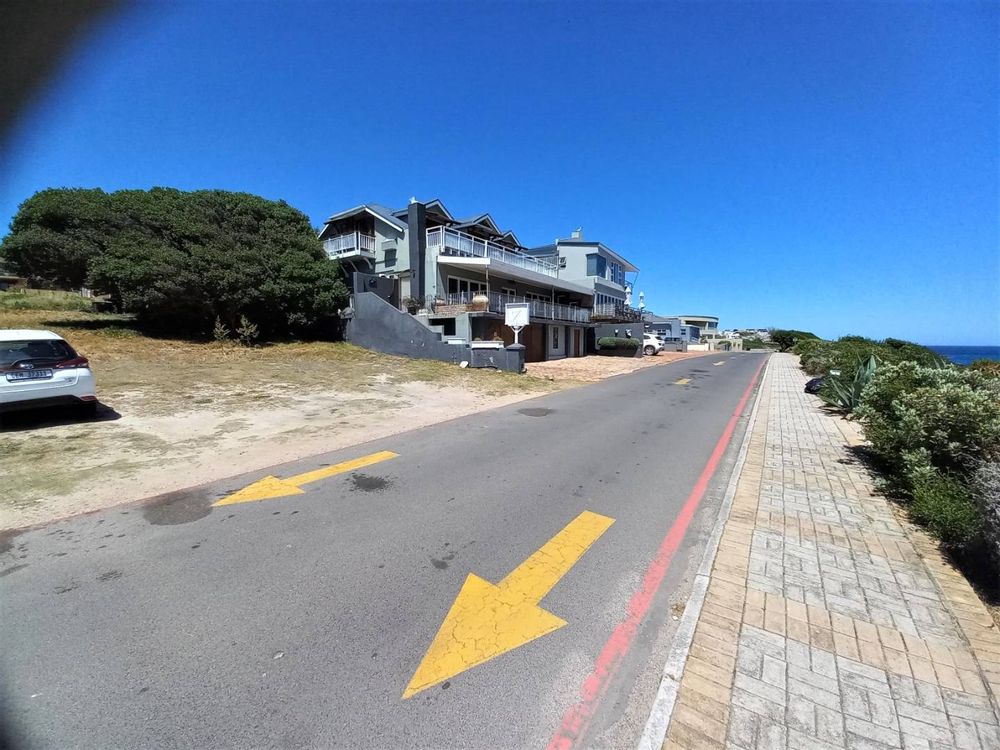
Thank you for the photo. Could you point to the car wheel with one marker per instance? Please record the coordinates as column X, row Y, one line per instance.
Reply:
column 649, row 350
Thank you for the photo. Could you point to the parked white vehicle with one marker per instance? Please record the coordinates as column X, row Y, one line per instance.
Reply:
column 38, row 369
column 651, row 344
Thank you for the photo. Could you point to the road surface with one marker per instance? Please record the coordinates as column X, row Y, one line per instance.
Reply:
column 543, row 540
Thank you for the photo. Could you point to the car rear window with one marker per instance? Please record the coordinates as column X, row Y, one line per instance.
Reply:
column 34, row 349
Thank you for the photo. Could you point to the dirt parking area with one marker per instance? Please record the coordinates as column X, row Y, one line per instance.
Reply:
column 176, row 414
column 593, row 367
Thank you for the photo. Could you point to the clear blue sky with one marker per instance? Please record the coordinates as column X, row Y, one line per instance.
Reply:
column 832, row 167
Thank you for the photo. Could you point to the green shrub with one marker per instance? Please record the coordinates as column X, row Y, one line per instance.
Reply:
column 945, row 508
column 220, row 332
column 247, row 332
column 988, row 367
column 786, row 339
column 919, row 419
column 844, row 391
column 820, row 357
column 610, row 342
column 986, row 493
column 180, row 260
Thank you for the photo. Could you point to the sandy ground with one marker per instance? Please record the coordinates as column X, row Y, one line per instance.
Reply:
column 593, row 368
column 118, row 460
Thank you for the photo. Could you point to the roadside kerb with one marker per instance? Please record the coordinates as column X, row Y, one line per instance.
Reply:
column 656, row 727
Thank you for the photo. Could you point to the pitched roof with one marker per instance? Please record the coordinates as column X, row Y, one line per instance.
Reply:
column 379, row 211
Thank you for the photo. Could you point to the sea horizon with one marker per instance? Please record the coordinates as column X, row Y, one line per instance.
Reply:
column 964, row 355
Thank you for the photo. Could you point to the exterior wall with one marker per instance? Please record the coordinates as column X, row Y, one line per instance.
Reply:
column 378, row 326
column 615, row 330
column 674, row 329
column 391, row 249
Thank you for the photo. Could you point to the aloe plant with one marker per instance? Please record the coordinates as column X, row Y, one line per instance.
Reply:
column 843, row 392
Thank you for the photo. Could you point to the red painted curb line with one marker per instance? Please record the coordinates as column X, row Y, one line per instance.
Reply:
column 577, row 719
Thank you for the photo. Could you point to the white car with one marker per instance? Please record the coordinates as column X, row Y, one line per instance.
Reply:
column 38, row 369
column 651, row 344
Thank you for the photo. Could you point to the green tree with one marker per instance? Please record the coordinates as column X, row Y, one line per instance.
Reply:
column 786, row 339
column 181, row 260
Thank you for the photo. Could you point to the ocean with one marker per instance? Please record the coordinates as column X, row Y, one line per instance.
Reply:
column 963, row 355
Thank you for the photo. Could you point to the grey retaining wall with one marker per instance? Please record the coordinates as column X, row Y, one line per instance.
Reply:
column 377, row 325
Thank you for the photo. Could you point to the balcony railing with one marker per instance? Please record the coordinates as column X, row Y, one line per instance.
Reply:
column 537, row 308
column 615, row 312
column 452, row 242
column 350, row 242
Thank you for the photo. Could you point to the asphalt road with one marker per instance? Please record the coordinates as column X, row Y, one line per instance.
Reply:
column 300, row 620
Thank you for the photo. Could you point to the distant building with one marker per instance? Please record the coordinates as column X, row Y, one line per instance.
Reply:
column 673, row 331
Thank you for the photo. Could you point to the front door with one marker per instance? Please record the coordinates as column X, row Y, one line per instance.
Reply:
column 576, row 343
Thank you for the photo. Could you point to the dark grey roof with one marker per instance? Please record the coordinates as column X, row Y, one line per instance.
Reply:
column 541, row 251
column 386, row 214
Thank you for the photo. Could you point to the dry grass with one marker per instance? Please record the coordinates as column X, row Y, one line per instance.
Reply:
column 188, row 412
column 170, row 374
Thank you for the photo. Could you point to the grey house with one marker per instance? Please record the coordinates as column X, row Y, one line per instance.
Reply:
column 599, row 268
column 457, row 274
column 675, row 331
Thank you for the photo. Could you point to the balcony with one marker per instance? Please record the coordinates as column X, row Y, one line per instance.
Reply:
column 538, row 309
column 352, row 244
column 615, row 313
column 452, row 242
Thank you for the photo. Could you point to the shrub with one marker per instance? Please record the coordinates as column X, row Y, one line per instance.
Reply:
column 220, row 332
column 922, row 418
column 247, row 332
column 986, row 493
column 988, row 367
column 610, row 342
column 786, row 339
column 943, row 505
column 844, row 392
column 820, row 357
column 179, row 260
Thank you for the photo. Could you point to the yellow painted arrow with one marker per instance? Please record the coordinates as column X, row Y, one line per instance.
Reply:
column 270, row 487
column 488, row 619
column 719, row 364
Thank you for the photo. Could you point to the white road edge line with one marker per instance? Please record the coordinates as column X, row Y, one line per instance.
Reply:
column 655, row 731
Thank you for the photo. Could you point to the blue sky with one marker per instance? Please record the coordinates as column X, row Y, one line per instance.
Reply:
column 831, row 167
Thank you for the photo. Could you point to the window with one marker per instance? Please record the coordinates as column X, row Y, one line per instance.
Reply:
column 509, row 293
column 615, row 273
column 555, row 337
column 597, row 265
column 34, row 350
column 458, row 285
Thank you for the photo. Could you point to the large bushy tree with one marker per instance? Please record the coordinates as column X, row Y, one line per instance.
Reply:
column 179, row 260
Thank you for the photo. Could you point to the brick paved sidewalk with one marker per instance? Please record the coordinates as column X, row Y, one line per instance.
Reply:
column 827, row 623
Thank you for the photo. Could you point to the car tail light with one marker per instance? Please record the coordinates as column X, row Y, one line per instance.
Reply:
column 75, row 362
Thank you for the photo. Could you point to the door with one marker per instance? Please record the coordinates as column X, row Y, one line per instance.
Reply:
column 576, row 343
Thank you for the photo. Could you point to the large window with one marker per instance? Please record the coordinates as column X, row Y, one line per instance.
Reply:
column 597, row 265
column 555, row 337
column 457, row 285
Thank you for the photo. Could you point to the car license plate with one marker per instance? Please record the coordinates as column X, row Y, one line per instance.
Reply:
column 29, row 375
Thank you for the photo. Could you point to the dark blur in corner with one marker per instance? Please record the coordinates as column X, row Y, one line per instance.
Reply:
column 36, row 36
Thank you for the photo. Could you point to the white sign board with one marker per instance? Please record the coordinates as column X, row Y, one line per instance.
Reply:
column 516, row 314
